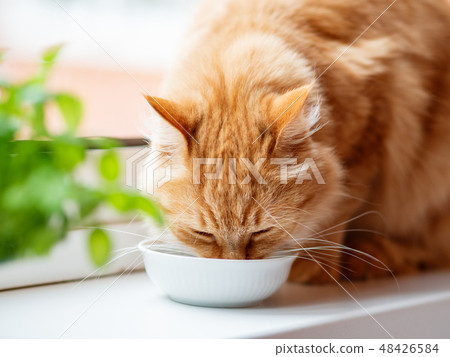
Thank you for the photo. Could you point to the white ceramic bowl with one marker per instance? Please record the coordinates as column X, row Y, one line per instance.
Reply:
column 215, row 282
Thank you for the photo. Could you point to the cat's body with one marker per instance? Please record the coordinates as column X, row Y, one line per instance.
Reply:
column 384, row 149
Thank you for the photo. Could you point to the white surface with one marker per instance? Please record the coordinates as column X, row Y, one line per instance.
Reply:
column 133, row 307
column 215, row 282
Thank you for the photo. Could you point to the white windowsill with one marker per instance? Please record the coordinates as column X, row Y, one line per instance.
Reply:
column 133, row 307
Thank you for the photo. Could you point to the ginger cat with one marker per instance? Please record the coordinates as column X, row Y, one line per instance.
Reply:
column 361, row 88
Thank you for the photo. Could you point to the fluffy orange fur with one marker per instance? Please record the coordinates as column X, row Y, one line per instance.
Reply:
column 250, row 81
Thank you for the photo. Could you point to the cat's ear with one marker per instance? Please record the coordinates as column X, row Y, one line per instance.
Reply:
column 173, row 123
column 286, row 113
column 288, row 106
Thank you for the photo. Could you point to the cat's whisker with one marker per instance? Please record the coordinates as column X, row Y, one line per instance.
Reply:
column 123, row 249
column 321, row 233
column 294, row 221
column 345, row 194
column 317, row 261
column 361, row 230
column 339, row 248
column 285, row 219
column 337, row 225
column 353, row 219
column 329, row 266
column 115, row 231
column 173, row 247
column 195, row 239
column 340, row 231
column 343, row 247
column 313, row 131
column 305, row 249
column 296, row 208
column 103, row 267
column 127, row 252
column 339, row 268
column 319, row 251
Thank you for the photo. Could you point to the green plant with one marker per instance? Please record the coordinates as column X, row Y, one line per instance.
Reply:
column 40, row 197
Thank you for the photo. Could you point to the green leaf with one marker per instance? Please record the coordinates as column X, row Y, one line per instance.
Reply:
column 42, row 239
column 68, row 153
column 41, row 196
column 51, row 53
column 71, row 109
column 99, row 247
column 48, row 60
column 121, row 201
column 8, row 127
column 32, row 93
column 101, row 143
column 151, row 208
column 88, row 199
column 126, row 202
column 109, row 165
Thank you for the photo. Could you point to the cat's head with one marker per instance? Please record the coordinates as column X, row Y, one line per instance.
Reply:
column 246, row 175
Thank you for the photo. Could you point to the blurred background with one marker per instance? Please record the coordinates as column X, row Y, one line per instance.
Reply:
column 114, row 50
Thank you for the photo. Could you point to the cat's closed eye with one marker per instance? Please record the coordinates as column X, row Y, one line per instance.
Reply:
column 261, row 232
column 206, row 235
column 210, row 237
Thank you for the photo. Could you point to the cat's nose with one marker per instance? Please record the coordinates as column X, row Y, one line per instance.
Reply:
column 234, row 253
